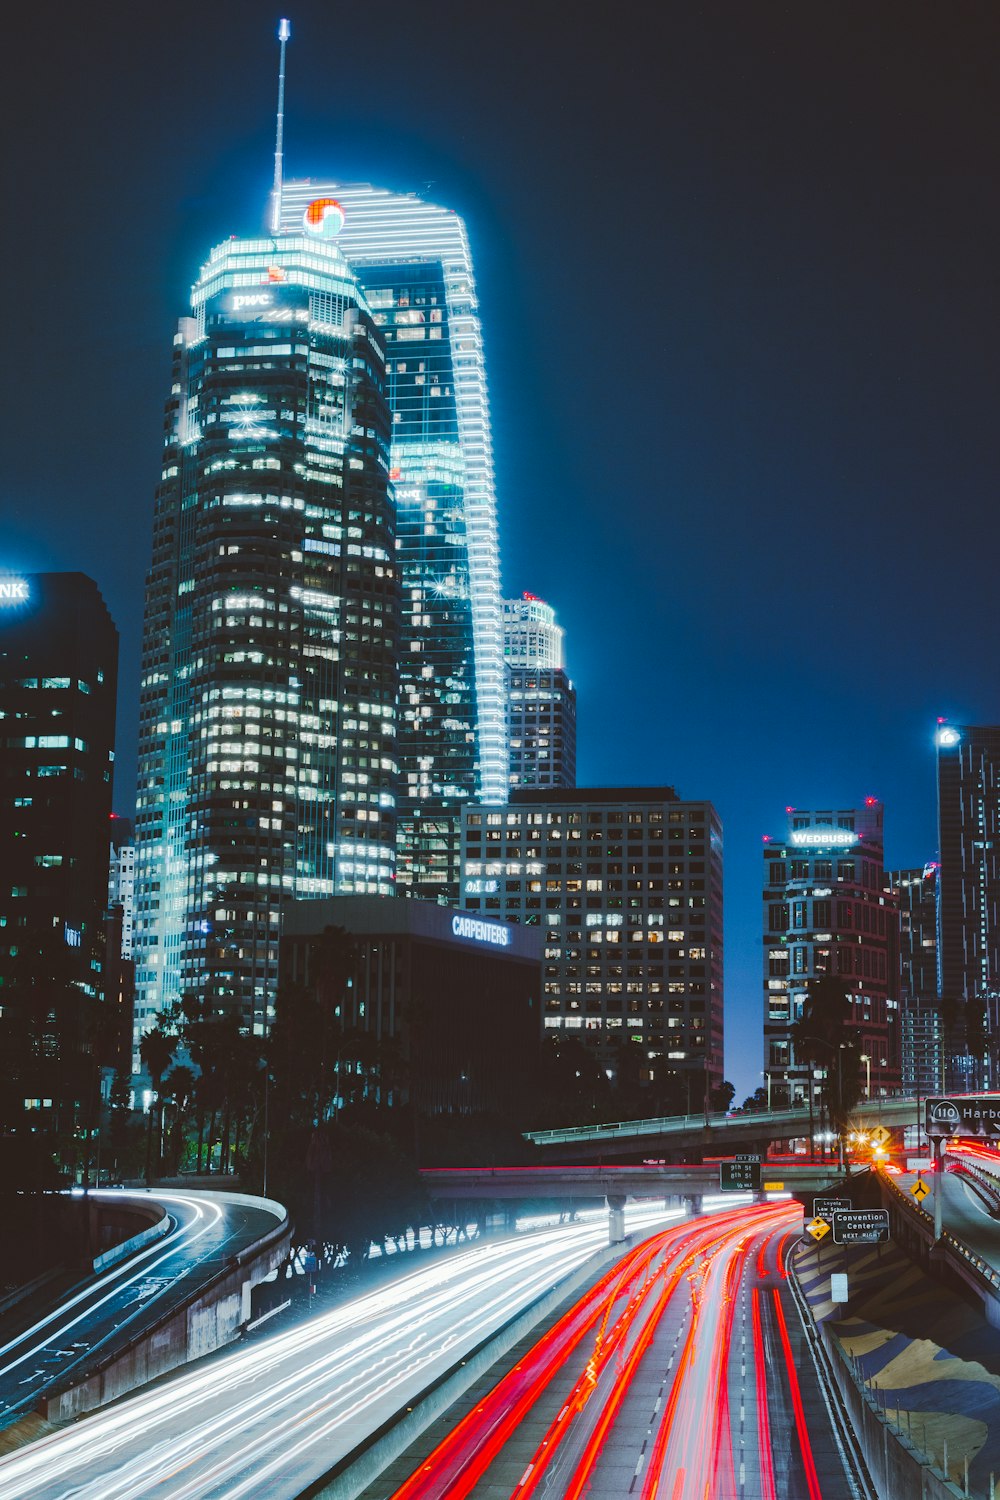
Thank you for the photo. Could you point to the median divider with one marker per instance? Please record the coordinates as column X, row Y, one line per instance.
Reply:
column 349, row 1476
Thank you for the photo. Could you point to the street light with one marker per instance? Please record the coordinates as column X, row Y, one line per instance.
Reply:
column 868, row 1074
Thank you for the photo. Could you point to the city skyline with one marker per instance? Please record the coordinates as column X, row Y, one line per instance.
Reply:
column 808, row 388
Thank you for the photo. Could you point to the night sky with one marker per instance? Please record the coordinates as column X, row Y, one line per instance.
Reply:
column 738, row 268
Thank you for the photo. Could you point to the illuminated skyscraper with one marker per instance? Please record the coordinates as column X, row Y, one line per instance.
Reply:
column 626, row 883
column 267, row 755
column 828, row 911
column 921, row 1026
column 968, row 887
column 541, row 699
column 412, row 259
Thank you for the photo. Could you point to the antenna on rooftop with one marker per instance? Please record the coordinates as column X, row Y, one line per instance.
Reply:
column 284, row 32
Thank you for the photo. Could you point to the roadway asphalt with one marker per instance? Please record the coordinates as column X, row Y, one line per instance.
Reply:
column 45, row 1349
column 711, row 1390
column 271, row 1418
column 963, row 1212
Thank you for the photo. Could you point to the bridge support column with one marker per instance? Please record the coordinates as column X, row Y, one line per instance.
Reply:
column 616, row 1218
column 693, row 1203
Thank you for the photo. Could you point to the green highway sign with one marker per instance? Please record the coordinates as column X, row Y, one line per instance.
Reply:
column 742, row 1175
column 861, row 1226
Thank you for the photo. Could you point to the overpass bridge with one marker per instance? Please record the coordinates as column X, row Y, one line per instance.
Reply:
column 674, row 1137
column 688, row 1185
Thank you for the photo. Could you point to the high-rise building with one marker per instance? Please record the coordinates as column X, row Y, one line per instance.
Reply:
column 968, row 901
column 121, row 879
column 920, row 1022
column 541, row 699
column 119, row 987
column 267, row 752
column 412, row 259
column 626, row 883
column 58, row 681
column 828, row 911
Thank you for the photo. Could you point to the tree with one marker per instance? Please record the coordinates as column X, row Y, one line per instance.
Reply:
column 572, row 1086
column 823, row 1036
column 722, row 1096
column 157, row 1050
column 179, row 1091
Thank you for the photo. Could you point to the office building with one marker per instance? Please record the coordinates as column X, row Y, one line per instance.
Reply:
column 626, row 885
column 968, row 900
column 58, row 681
column 267, row 749
column 828, row 911
column 121, row 879
column 457, row 995
column 119, row 984
column 920, row 1023
column 412, row 259
column 541, row 699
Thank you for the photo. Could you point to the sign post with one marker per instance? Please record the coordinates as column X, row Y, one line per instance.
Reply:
column 947, row 1115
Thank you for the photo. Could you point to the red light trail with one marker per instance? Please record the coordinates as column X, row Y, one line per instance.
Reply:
column 692, row 1276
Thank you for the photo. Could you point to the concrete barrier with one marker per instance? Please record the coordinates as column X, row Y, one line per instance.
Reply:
column 128, row 1247
column 182, row 1333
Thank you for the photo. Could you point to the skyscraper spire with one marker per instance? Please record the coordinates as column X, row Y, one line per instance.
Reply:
column 284, row 32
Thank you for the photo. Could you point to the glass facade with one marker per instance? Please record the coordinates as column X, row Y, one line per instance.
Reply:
column 413, row 261
column 968, row 891
column 541, row 699
column 267, row 756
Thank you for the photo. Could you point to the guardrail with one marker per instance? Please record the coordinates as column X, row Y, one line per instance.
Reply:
column 679, row 1124
column 984, row 1271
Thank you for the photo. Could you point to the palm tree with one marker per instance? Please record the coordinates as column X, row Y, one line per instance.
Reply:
column 822, row 1035
column 157, row 1050
column 179, row 1091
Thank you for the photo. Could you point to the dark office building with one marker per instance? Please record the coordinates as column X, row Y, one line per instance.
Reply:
column 920, row 1023
column 58, row 680
column 968, row 903
column 458, row 995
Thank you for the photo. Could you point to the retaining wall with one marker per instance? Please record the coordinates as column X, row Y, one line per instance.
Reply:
column 212, row 1319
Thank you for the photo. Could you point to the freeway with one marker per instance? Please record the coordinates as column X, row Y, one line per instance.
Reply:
column 682, row 1372
column 57, row 1346
column 273, row 1417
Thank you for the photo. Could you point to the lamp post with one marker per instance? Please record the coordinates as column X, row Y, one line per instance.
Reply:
column 868, row 1074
